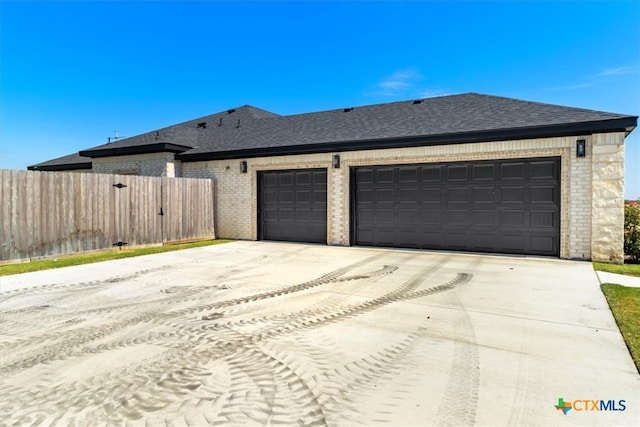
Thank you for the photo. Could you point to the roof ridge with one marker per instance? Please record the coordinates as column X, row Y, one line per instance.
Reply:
column 405, row 101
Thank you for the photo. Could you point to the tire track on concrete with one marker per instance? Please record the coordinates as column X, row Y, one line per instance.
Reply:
column 61, row 350
column 80, row 337
column 460, row 399
column 363, row 377
column 177, row 381
column 273, row 386
column 232, row 347
column 64, row 341
column 324, row 279
column 53, row 287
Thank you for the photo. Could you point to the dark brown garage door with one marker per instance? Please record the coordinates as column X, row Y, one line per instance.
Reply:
column 292, row 205
column 507, row 206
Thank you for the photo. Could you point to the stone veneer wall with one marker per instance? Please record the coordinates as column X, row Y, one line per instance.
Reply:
column 153, row 164
column 607, row 198
column 591, row 196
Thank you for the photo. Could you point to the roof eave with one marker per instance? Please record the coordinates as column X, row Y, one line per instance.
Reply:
column 161, row 147
column 60, row 168
column 625, row 124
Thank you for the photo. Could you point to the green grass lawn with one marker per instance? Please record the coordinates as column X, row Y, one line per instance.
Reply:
column 625, row 305
column 65, row 261
column 628, row 269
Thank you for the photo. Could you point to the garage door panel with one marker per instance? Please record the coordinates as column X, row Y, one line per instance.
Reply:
column 483, row 172
column 385, row 237
column 543, row 219
column 457, row 217
column 320, row 178
column 293, row 205
column 319, row 216
column 457, row 240
column 507, row 206
column 303, row 196
column 512, row 171
column 303, row 178
column 431, row 195
column 366, row 236
column 285, row 214
column 408, row 175
column 432, row 173
column 458, row 195
column 384, row 195
column 512, row 218
column 431, row 217
column 483, row 194
column 483, row 218
column 407, row 217
column 270, row 179
column 364, row 217
column 320, row 197
column 364, row 196
column 542, row 244
column 543, row 170
column 364, row 176
column 285, row 178
column 408, row 195
column 303, row 215
column 512, row 243
column 285, row 196
column 484, row 241
column 270, row 196
column 383, row 216
column 384, row 175
column 457, row 173
column 543, row 194
column 433, row 239
column 270, row 214
column 513, row 194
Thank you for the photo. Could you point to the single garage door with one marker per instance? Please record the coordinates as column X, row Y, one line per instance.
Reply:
column 507, row 206
column 292, row 205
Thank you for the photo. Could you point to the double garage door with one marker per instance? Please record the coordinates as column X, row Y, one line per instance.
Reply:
column 505, row 206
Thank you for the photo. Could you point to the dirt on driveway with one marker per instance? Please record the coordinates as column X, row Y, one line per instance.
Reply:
column 263, row 333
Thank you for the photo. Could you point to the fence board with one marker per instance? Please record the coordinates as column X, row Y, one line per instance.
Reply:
column 52, row 213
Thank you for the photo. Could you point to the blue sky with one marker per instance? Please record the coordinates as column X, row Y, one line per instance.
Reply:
column 74, row 72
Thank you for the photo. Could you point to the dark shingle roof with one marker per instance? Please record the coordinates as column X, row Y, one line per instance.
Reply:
column 248, row 131
column 64, row 163
column 184, row 136
column 450, row 119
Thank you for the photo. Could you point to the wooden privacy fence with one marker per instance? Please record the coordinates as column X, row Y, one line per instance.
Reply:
column 52, row 213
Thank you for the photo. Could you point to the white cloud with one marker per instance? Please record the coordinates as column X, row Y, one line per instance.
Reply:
column 617, row 71
column 597, row 78
column 404, row 84
column 432, row 93
column 400, row 80
column 571, row 87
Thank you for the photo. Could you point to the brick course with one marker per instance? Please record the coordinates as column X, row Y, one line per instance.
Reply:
column 153, row 164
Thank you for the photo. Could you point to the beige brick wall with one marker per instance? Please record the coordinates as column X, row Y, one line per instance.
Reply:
column 237, row 192
column 591, row 187
column 153, row 164
column 579, row 219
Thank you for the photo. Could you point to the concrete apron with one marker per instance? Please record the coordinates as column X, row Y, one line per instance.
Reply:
column 275, row 333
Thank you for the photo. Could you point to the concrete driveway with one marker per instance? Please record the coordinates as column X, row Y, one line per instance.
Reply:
column 263, row 333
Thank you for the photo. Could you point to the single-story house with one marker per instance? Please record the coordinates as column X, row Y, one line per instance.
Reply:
column 467, row 172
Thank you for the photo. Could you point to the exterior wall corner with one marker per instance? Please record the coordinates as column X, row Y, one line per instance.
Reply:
column 607, row 198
